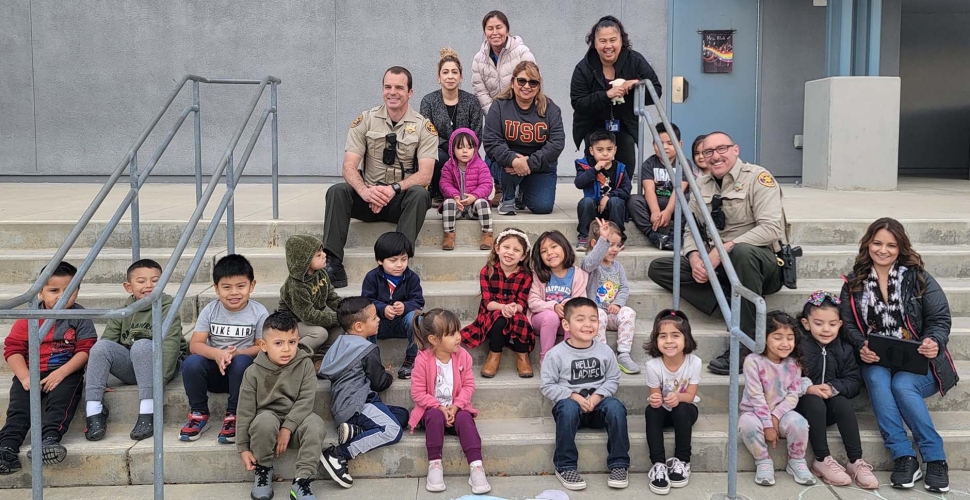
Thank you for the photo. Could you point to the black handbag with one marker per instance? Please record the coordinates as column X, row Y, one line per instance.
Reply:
column 787, row 255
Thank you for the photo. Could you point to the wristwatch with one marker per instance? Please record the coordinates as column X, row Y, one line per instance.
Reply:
column 396, row 187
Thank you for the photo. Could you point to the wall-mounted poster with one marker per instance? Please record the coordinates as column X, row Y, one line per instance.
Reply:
column 717, row 50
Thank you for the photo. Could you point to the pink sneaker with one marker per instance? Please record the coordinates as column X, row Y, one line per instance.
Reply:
column 831, row 472
column 862, row 473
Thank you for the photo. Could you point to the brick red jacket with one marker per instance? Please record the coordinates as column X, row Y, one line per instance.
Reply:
column 67, row 338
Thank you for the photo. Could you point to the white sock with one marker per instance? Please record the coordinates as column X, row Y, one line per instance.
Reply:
column 476, row 463
column 146, row 406
column 93, row 408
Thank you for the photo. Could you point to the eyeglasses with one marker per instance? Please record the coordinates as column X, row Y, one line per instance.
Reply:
column 522, row 82
column 821, row 296
column 720, row 150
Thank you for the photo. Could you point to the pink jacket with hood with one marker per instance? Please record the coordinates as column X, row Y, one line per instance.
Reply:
column 477, row 179
column 423, row 384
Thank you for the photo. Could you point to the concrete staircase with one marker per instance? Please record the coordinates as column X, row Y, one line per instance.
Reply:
column 515, row 421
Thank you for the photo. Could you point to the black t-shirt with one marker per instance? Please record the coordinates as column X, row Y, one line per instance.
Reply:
column 653, row 169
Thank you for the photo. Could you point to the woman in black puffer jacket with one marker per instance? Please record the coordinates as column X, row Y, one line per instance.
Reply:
column 890, row 293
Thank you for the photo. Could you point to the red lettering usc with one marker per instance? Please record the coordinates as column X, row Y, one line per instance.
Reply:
column 526, row 132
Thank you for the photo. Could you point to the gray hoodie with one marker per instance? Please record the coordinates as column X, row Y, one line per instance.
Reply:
column 354, row 368
column 567, row 369
column 607, row 284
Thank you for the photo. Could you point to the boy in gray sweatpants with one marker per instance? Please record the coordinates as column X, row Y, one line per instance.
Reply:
column 125, row 351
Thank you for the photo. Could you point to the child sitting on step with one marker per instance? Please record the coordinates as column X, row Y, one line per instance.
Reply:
column 308, row 291
column 442, row 387
column 356, row 373
column 554, row 281
column 276, row 409
column 772, row 386
column 125, row 351
column 608, row 287
column 465, row 183
column 63, row 354
column 605, row 184
column 505, row 280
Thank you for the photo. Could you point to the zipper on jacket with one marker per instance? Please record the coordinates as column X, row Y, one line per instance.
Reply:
column 824, row 363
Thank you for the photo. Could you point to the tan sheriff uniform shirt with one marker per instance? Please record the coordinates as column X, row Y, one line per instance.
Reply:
column 752, row 206
column 367, row 137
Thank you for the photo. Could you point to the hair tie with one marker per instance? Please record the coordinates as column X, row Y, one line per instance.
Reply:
column 516, row 232
column 673, row 313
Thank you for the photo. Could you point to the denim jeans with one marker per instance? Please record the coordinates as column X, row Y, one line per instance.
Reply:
column 538, row 190
column 610, row 413
column 200, row 376
column 587, row 209
column 398, row 328
column 897, row 398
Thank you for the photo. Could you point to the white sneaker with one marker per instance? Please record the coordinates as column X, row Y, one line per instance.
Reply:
column 436, row 476
column 764, row 472
column 798, row 469
column 478, row 481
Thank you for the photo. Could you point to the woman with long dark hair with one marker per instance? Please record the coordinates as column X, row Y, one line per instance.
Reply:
column 889, row 293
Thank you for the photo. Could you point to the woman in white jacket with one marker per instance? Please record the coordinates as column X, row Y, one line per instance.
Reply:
column 492, row 71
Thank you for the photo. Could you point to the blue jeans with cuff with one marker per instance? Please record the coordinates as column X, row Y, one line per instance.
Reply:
column 899, row 397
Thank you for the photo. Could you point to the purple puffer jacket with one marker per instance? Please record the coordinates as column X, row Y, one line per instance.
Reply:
column 478, row 180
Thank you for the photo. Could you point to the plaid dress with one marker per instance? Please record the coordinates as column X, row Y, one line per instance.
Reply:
column 504, row 290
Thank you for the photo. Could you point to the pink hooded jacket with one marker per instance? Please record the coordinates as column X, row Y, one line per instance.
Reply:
column 423, row 384
column 478, row 180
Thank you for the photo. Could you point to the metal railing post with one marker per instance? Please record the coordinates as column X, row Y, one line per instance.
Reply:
column 732, row 492
column 134, row 212
column 158, row 396
column 36, row 426
column 197, row 105
column 678, row 226
column 276, row 159
column 230, row 210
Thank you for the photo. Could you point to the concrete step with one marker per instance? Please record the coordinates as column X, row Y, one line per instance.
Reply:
column 504, row 396
column 514, row 447
column 49, row 234
column 464, row 263
column 23, row 266
column 646, row 298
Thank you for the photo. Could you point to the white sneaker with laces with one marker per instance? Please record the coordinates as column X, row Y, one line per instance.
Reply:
column 436, row 476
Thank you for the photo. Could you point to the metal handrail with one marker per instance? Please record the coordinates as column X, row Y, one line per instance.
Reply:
column 731, row 312
column 160, row 325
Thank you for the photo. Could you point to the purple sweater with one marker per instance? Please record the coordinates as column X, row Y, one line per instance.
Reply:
column 770, row 389
column 476, row 180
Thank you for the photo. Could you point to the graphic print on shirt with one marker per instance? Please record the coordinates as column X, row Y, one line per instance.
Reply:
column 62, row 349
column 232, row 332
column 663, row 185
column 605, row 183
column 558, row 293
column 586, row 371
column 525, row 132
column 608, row 289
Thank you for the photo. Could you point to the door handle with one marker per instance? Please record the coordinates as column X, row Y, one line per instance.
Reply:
column 680, row 90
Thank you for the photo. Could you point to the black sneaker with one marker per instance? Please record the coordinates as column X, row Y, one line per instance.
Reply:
column 97, row 425
column 9, row 461
column 619, row 478
column 335, row 269
column 405, row 372
column 144, row 427
column 906, row 472
column 659, row 482
column 937, row 476
column 721, row 365
column 666, row 243
column 347, row 432
column 571, row 480
column 337, row 467
column 52, row 451
column 678, row 472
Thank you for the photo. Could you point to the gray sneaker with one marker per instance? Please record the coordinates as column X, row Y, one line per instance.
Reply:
column 263, row 484
column 507, row 207
column 765, row 472
column 798, row 469
column 300, row 490
column 627, row 365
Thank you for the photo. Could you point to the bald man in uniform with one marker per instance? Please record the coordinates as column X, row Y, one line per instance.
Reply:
column 398, row 148
column 753, row 226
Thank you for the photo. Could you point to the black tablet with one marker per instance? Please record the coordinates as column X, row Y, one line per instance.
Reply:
column 898, row 354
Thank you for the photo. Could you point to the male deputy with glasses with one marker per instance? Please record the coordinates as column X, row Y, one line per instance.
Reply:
column 398, row 147
column 745, row 203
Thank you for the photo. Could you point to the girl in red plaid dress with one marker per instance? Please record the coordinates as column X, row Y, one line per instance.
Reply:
column 506, row 280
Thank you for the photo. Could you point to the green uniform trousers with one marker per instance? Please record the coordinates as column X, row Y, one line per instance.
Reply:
column 408, row 209
column 757, row 269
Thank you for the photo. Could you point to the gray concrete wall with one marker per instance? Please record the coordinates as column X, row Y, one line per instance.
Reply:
column 79, row 80
column 793, row 52
column 889, row 50
column 935, row 108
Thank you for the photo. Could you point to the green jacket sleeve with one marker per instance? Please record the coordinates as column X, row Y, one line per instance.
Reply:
column 303, row 406
column 112, row 331
column 301, row 303
column 173, row 344
column 245, row 410
column 333, row 300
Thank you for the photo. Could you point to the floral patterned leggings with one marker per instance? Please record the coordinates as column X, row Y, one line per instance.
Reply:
column 623, row 323
column 792, row 426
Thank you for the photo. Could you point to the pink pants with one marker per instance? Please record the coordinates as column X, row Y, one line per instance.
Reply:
column 548, row 326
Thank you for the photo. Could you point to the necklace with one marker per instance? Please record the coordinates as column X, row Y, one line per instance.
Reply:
column 452, row 114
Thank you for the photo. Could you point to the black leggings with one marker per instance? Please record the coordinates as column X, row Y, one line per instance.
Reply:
column 822, row 413
column 682, row 418
column 497, row 339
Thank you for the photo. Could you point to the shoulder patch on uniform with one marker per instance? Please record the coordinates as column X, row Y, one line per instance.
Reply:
column 430, row 128
column 766, row 180
column 357, row 120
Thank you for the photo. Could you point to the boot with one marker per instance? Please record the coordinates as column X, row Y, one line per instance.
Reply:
column 491, row 364
column 523, row 364
column 497, row 198
column 488, row 241
column 448, row 243
column 335, row 269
